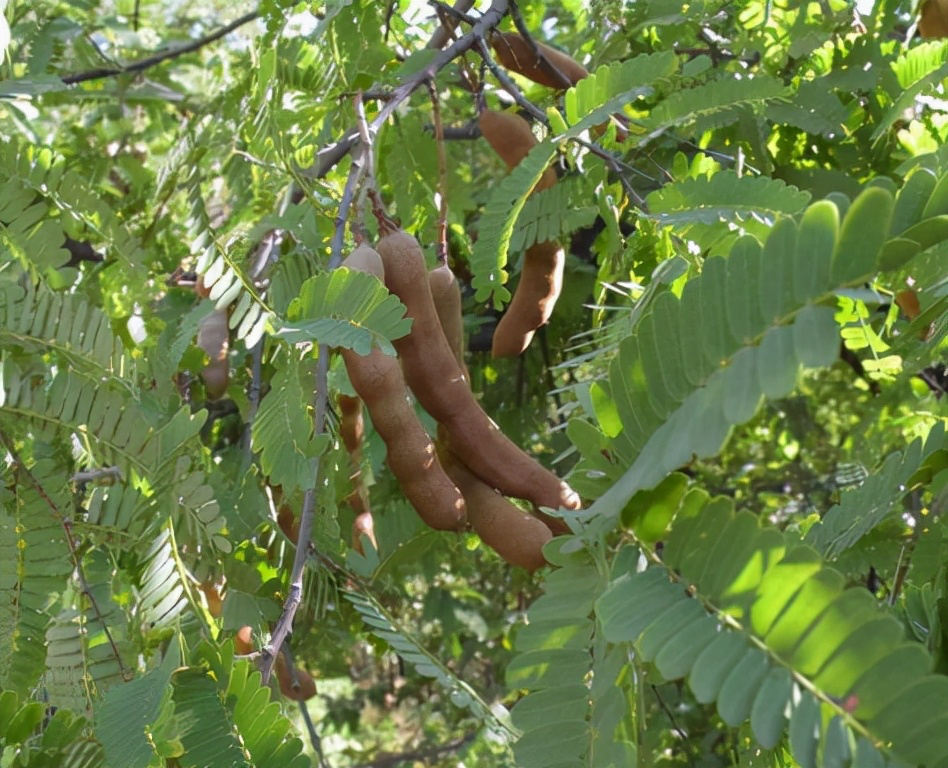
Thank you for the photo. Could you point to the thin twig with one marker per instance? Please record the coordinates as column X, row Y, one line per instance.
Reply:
column 545, row 64
column 441, row 244
column 682, row 735
column 444, row 32
column 452, row 11
column 467, row 132
column 423, row 755
column 96, row 474
column 158, row 58
column 367, row 137
column 908, row 549
column 66, row 525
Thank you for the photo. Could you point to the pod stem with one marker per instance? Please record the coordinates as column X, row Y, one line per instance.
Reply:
column 441, row 244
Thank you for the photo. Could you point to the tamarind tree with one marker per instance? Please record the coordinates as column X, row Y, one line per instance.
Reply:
column 690, row 489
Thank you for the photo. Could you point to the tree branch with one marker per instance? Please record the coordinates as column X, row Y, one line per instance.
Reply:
column 158, row 58
column 443, row 33
column 327, row 158
column 390, row 761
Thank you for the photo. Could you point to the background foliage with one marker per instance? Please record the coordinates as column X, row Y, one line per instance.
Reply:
column 744, row 378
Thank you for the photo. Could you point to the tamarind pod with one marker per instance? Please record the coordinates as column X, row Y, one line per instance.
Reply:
column 243, row 641
column 622, row 128
column 351, row 425
column 509, row 135
column 352, row 430
column 363, row 525
column 213, row 595
column 512, row 533
column 243, row 645
column 934, row 20
column 307, row 686
column 378, row 380
column 411, row 453
column 288, row 522
column 907, row 301
column 433, row 373
column 446, row 294
column 540, row 284
column 365, row 259
column 517, row 55
column 214, row 338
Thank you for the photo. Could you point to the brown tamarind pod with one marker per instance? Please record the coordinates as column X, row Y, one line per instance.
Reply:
column 512, row 533
column 307, row 686
column 516, row 54
column 446, row 294
column 351, row 424
column 541, row 281
column 433, row 373
column 378, row 380
column 288, row 522
column 243, row 641
column 214, row 338
column 243, row 645
column 510, row 137
column 214, row 601
column 352, row 431
column 365, row 259
column 934, row 20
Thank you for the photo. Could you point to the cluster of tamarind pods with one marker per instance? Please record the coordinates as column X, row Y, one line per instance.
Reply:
column 462, row 477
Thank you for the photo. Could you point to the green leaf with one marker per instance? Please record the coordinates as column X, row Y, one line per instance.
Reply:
column 346, row 309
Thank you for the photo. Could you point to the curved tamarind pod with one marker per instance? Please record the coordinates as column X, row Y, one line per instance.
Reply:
column 214, row 601
column 243, row 645
column 214, row 338
column 288, row 522
column 377, row 379
column 352, row 431
column 307, row 686
column 243, row 641
column 934, row 19
column 446, row 294
column 540, row 284
column 435, row 377
column 516, row 54
column 351, row 424
column 510, row 137
column 512, row 533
